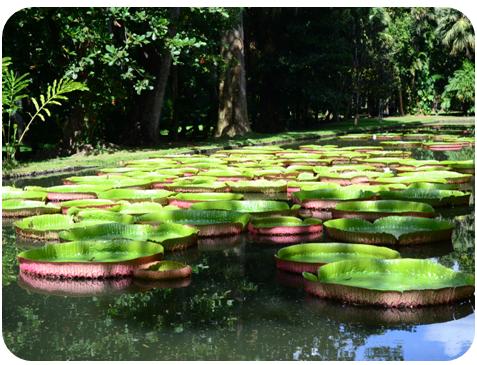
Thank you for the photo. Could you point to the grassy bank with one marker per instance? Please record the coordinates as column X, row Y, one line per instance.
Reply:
column 113, row 158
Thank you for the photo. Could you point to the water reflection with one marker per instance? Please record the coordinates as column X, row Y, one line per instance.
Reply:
column 142, row 285
column 396, row 317
column 74, row 288
column 444, row 341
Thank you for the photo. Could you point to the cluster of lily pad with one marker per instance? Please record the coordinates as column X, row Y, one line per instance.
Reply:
column 427, row 139
column 123, row 220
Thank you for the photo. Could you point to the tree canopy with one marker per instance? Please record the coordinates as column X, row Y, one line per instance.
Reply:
column 158, row 74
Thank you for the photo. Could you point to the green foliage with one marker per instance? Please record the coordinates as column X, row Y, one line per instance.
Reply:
column 12, row 98
column 389, row 56
column 456, row 32
column 460, row 92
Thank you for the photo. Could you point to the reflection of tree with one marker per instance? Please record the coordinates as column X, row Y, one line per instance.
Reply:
column 9, row 256
column 464, row 245
column 385, row 353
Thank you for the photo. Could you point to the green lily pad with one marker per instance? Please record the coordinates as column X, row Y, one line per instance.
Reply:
column 140, row 208
column 374, row 209
column 393, row 275
column 253, row 207
column 24, row 208
column 434, row 197
column 270, row 222
column 442, row 176
column 332, row 194
column 390, row 230
column 100, row 215
column 15, row 193
column 86, row 203
column 209, row 222
column 94, row 189
column 200, row 197
column 171, row 236
column 310, row 256
column 93, row 251
column 135, row 195
column 262, row 186
column 48, row 226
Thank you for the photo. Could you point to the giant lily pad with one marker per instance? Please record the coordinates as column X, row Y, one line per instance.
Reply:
column 408, row 180
column 390, row 283
column 387, row 136
column 402, row 144
column 202, row 184
column 258, row 186
column 353, row 177
column 72, row 192
column 100, row 215
column 209, row 222
column 228, row 174
column 87, row 203
column 393, row 230
column 171, row 236
column 294, row 186
column 133, row 195
column 185, row 200
column 355, row 136
column 15, row 193
column 46, row 227
column 434, row 197
column 433, row 186
column 465, row 166
column 139, row 208
column 284, row 226
column 114, row 181
column 382, row 161
column 253, row 207
column 89, row 259
column 444, row 146
column 328, row 198
column 448, row 176
column 390, row 153
column 25, row 208
column 310, row 256
column 372, row 210
column 164, row 270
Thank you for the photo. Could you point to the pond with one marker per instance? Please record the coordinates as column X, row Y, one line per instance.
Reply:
column 237, row 306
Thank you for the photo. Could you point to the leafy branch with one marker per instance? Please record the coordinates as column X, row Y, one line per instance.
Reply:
column 54, row 93
column 13, row 94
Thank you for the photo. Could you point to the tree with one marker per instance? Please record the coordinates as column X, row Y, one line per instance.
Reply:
column 232, row 114
column 13, row 95
column 460, row 92
column 152, row 113
column 456, row 32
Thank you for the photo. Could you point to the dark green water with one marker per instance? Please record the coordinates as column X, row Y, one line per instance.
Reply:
column 237, row 306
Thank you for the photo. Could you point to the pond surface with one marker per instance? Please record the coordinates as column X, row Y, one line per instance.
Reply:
column 237, row 306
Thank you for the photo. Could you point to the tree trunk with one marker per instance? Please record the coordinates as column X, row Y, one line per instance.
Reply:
column 154, row 105
column 74, row 125
column 356, row 111
column 232, row 115
column 175, row 109
column 356, row 72
column 401, row 103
